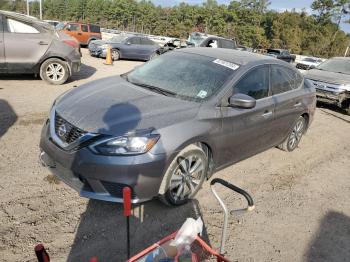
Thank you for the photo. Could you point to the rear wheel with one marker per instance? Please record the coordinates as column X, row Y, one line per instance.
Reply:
column 115, row 55
column 185, row 176
column 295, row 135
column 54, row 71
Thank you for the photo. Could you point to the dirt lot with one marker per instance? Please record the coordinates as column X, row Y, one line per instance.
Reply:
column 302, row 198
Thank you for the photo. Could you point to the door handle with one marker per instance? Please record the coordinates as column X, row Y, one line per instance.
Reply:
column 267, row 114
column 43, row 43
column 297, row 104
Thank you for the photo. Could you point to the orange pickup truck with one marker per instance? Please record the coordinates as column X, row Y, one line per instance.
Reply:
column 83, row 33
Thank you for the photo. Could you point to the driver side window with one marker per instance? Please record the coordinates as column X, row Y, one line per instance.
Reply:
column 254, row 84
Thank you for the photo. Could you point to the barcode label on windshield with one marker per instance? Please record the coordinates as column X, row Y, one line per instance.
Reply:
column 226, row 64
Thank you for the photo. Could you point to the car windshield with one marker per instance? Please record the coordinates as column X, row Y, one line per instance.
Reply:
column 310, row 60
column 59, row 26
column 184, row 75
column 196, row 39
column 336, row 65
column 118, row 39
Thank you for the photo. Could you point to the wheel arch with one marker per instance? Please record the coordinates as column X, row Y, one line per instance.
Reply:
column 57, row 57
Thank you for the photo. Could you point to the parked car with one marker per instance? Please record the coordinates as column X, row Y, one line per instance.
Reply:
column 126, row 47
column 168, row 125
column 308, row 63
column 83, row 33
column 203, row 40
column 281, row 54
column 31, row 46
column 332, row 81
column 54, row 23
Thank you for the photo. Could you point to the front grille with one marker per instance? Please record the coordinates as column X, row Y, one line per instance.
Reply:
column 67, row 132
column 116, row 189
column 302, row 66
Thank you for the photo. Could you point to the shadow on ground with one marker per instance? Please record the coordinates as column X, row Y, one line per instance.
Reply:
column 7, row 116
column 332, row 241
column 85, row 72
column 102, row 228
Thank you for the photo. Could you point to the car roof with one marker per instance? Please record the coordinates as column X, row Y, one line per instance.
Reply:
column 340, row 58
column 19, row 16
column 229, row 55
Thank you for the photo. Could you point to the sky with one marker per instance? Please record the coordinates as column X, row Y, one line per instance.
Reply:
column 278, row 5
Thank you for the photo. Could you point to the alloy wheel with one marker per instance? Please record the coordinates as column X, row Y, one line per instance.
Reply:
column 55, row 72
column 186, row 177
column 296, row 134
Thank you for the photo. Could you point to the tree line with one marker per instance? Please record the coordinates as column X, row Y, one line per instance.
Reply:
column 249, row 22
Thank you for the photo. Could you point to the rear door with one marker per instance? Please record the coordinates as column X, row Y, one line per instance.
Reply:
column 25, row 44
column 287, row 91
column 2, row 48
column 249, row 131
column 148, row 47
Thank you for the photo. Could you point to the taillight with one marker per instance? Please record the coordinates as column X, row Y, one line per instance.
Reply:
column 71, row 43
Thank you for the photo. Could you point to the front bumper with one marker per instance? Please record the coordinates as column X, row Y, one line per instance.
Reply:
column 103, row 177
column 98, row 52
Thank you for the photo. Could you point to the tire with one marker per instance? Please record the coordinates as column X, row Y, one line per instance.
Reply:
column 182, row 184
column 115, row 55
column 294, row 137
column 54, row 71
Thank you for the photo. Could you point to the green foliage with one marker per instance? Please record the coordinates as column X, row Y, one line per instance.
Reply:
column 247, row 21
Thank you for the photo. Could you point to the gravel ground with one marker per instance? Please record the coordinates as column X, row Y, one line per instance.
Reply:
column 302, row 198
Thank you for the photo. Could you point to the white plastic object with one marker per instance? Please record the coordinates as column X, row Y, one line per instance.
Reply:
column 188, row 233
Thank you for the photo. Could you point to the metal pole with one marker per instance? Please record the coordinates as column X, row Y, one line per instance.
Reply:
column 27, row 7
column 41, row 9
column 346, row 51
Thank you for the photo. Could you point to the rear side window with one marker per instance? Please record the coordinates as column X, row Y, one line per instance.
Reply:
column 146, row 41
column 284, row 79
column 227, row 44
column 15, row 26
column 84, row 28
column 95, row 29
column 73, row 27
column 254, row 84
column 134, row 40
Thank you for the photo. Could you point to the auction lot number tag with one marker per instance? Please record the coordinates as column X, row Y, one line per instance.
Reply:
column 226, row 64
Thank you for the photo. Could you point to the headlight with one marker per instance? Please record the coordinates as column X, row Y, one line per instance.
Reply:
column 344, row 87
column 125, row 145
column 105, row 46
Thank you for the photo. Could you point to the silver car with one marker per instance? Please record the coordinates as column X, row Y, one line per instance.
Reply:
column 168, row 125
column 31, row 46
column 332, row 82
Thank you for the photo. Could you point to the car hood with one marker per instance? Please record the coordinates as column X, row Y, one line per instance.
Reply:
column 98, row 42
column 113, row 106
column 328, row 77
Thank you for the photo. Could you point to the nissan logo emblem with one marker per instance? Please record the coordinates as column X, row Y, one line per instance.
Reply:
column 62, row 130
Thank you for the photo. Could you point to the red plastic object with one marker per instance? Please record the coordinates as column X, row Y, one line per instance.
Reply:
column 41, row 253
column 93, row 259
column 127, row 201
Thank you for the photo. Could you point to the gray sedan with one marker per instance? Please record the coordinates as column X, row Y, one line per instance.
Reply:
column 167, row 126
column 126, row 47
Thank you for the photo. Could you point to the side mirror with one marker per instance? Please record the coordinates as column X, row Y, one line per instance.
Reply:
column 128, row 43
column 242, row 101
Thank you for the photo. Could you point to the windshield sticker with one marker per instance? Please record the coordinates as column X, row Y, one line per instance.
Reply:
column 202, row 94
column 226, row 64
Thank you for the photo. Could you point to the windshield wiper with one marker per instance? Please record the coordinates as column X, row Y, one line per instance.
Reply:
column 155, row 88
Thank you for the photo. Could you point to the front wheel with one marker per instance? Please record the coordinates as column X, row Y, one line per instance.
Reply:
column 54, row 71
column 295, row 135
column 185, row 176
column 115, row 55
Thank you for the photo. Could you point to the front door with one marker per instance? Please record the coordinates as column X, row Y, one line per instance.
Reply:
column 249, row 131
column 2, row 48
column 133, row 50
column 25, row 45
